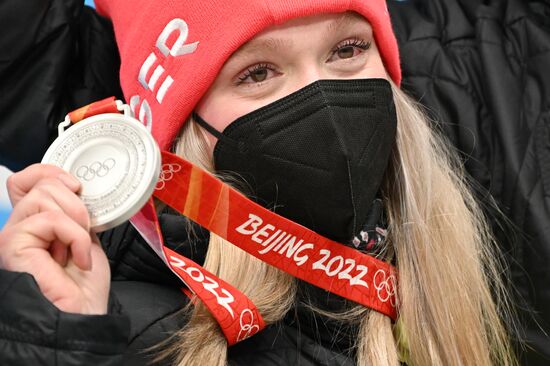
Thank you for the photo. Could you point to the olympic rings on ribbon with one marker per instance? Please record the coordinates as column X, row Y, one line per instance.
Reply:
column 247, row 329
column 386, row 287
column 166, row 175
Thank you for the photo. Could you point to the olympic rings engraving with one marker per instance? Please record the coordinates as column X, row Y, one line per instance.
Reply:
column 167, row 174
column 95, row 169
column 386, row 287
column 248, row 329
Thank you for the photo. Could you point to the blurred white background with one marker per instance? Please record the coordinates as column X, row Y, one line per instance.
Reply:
column 5, row 206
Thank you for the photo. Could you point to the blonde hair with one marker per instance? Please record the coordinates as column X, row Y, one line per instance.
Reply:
column 452, row 304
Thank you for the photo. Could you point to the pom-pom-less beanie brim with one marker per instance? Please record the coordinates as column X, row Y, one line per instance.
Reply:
column 172, row 51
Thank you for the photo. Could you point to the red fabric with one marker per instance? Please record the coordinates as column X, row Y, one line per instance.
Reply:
column 220, row 27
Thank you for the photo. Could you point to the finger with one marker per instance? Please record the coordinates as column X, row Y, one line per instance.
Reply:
column 20, row 183
column 59, row 253
column 50, row 194
column 52, row 226
column 67, row 200
column 33, row 203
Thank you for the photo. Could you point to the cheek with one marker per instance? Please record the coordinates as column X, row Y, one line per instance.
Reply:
column 375, row 67
column 219, row 111
column 379, row 70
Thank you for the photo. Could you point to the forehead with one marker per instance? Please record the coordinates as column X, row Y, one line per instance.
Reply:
column 278, row 36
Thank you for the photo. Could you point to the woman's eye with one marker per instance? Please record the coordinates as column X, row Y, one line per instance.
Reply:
column 347, row 52
column 256, row 74
column 348, row 49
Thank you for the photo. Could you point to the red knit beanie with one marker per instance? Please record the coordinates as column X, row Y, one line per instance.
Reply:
column 172, row 51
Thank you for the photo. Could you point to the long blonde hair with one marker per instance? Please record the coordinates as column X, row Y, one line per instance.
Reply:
column 452, row 305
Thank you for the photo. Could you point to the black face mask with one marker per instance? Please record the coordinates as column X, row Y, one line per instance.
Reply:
column 317, row 156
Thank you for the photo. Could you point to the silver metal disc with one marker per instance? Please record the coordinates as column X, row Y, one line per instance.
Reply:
column 117, row 162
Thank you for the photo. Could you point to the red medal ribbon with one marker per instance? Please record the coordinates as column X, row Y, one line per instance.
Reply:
column 272, row 238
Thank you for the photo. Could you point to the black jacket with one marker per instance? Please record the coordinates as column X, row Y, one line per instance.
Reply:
column 34, row 332
column 482, row 67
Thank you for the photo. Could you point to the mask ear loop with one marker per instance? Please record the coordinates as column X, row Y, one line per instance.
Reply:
column 217, row 134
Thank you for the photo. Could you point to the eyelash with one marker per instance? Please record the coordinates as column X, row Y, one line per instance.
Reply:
column 252, row 70
column 359, row 43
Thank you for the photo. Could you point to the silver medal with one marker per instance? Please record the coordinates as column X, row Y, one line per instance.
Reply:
column 116, row 160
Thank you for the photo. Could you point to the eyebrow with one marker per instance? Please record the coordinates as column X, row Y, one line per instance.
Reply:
column 347, row 19
column 271, row 44
column 276, row 45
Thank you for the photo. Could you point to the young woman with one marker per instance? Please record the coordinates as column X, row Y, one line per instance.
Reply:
column 311, row 92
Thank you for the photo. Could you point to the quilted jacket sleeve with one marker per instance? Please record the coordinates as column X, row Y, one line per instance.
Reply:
column 35, row 332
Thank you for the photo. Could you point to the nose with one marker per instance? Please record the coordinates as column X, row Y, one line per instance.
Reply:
column 306, row 74
column 309, row 74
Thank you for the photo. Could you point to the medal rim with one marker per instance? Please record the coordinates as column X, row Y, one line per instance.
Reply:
column 133, row 204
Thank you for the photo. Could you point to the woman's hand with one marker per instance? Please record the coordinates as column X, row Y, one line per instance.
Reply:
column 48, row 235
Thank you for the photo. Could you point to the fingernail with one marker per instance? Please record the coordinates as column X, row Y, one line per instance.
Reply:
column 90, row 263
column 71, row 182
